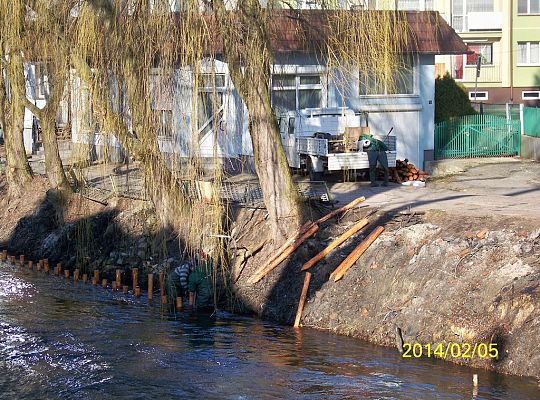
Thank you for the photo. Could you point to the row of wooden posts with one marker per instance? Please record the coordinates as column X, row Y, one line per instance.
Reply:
column 307, row 231
column 116, row 285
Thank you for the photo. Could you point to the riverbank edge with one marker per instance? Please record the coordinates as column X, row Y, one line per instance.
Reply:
column 429, row 279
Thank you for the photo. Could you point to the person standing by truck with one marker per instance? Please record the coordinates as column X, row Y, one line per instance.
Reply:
column 376, row 152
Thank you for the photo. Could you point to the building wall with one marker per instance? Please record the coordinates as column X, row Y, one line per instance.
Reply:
column 525, row 28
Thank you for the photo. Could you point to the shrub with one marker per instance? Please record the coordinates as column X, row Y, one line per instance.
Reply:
column 451, row 99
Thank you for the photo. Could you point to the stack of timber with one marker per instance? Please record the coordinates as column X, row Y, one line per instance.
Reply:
column 407, row 171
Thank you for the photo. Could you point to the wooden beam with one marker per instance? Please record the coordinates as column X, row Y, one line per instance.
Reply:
column 346, row 207
column 342, row 238
column 265, row 269
column 302, row 301
column 355, row 254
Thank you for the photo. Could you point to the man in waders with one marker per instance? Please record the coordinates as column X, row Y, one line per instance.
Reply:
column 376, row 151
column 179, row 279
column 200, row 284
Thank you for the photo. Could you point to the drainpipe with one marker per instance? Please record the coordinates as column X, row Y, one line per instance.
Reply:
column 511, row 52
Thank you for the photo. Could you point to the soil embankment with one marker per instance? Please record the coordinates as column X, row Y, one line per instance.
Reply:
column 429, row 279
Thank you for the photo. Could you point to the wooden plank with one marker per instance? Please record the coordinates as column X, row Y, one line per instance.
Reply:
column 342, row 238
column 346, row 207
column 355, row 254
column 302, row 301
column 265, row 269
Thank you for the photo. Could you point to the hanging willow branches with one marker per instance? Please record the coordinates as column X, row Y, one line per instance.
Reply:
column 147, row 78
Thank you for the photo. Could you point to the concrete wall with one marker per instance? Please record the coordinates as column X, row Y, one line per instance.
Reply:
column 530, row 148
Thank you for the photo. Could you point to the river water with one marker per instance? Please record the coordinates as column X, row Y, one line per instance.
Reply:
column 60, row 340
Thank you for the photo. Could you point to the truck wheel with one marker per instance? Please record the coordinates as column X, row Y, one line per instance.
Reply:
column 313, row 175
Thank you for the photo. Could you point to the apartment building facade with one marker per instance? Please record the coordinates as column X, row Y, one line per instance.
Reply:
column 505, row 34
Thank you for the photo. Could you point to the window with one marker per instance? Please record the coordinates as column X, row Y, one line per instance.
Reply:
column 530, row 95
column 461, row 8
column 478, row 96
column 528, row 6
column 528, row 53
column 210, row 101
column 403, row 83
column 296, row 92
column 484, row 50
column 415, row 5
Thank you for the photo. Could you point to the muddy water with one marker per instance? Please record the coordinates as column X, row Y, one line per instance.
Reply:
column 61, row 340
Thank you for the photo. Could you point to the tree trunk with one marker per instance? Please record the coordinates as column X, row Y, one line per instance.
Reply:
column 279, row 191
column 53, row 162
column 247, row 53
column 18, row 171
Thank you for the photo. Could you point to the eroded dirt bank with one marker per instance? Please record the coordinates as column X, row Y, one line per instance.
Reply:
column 429, row 279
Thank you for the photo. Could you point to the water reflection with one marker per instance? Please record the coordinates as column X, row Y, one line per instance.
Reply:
column 60, row 340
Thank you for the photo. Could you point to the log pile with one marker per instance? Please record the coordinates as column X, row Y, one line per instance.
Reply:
column 407, row 171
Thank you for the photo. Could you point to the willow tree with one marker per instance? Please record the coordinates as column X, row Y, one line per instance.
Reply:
column 13, row 93
column 117, row 43
column 47, row 43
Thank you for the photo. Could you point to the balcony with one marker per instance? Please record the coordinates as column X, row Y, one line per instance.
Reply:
column 478, row 22
column 488, row 74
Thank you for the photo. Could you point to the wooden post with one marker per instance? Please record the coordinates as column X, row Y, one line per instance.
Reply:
column 94, row 281
column 114, row 285
column 125, row 289
column 31, row 265
column 84, row 278
column 342, row 238
column 355, row 254
column 302, row 301
column 162, row 286
column 4, row 255
column 118, row 277
column 66, row 273
column 475, row 380
column 137, row 291
column 104, row 283
column 179, row 303
column 191, row 299
column 135, row 278
column 96, row 276
column 76, row 275
column 164, row 299
column 21, row 260
column 46, row 268
column 12, row 260
column 58, row 269
column 150, row 286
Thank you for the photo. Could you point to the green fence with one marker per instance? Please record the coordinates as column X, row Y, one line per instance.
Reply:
column 477, row 136
column 531, row 121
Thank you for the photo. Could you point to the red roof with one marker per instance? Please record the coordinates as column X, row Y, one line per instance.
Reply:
column 308, row 30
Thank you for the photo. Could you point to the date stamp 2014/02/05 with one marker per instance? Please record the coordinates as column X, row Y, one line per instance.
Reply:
column 451, row 349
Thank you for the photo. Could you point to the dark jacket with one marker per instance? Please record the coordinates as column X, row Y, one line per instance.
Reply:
column 375, row 144
column 200, row 282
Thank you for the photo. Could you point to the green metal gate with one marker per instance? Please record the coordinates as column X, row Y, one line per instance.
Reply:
column 477, row 136
column 531, row 121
